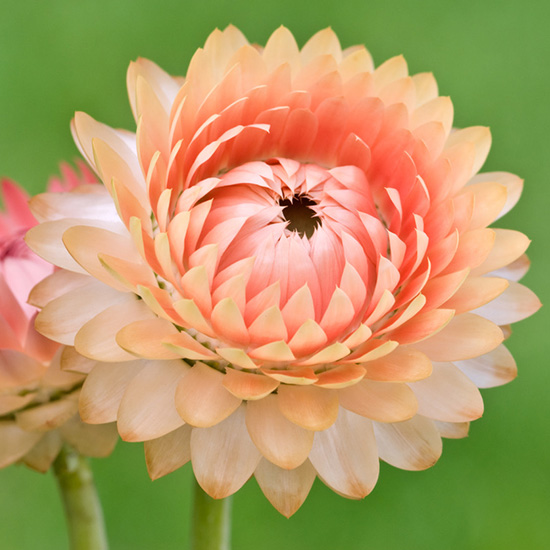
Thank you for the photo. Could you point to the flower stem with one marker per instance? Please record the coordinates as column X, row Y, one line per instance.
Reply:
column 82, row 507
column 211, row 522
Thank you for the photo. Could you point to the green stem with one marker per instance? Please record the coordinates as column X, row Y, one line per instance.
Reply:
column 82, row 507
column 211, row 524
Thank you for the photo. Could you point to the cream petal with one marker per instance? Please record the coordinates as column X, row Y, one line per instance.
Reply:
column 491, row 369
column 448, row 395
column 48, row 416
column 345, row 456
column 103, row 390
column 169, row 452
column 280, row 441
column 90, row 440
column 516, row 303
column 15, row 442
column 97, row 338
column 63, row 317
column 285, row 489
column 41, row 456
column 381, row 401
column 310, row 407
column 147, row 409
column 201, row 398
column 452, row 430
column 414, row 444
column 55, row 285
column 228, row 439
column 465, row 337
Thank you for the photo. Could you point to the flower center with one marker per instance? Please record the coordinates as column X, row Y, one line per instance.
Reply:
column 299, row 214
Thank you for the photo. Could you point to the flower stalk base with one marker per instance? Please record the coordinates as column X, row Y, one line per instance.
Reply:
column 211, row 521
column 83, row 511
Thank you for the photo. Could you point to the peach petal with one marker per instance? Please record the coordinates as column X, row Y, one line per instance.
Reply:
column 479, row 136
column 448, row 395
column 145, row 338
column 249, row 386
column 330, row 354
column 491, row 369
column 237, row 357
column 71, row 361
column 201, row 398
column 358, row 337
column 307, row 339
column 474, row 248
column 191, row 316
column 281, row 48
column 15, row 442
column 269, row 326
column 381, row 401
column 187, row 347
column 426, row 87
column 228, row 322
column 414, row 444
column 475, row 292
column 285, row 489
column 301, row 376
column 423, row 326
column 509, row 246
column 103, row 390
column 340, row 376
column 280, row 441
column 228, row 439
column 345, row 455
column 371, row 350
column 310, row 407
column 404, row 364
column 169, row 452
column 275, row 352
column 465, row 337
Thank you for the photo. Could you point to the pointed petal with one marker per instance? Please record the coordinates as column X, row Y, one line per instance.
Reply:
column 201, row 398
column 279, row 440
column 169, row 452
column 228, row 439
column 345, row 455
column 285, row 489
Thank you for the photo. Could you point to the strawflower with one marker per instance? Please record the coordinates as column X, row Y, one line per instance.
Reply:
column 288, row 271
column 38, row 400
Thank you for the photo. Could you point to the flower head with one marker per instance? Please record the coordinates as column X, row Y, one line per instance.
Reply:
column 38, row 401
column 290, row 268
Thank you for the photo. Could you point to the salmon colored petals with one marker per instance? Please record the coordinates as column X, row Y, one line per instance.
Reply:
column 305, row 237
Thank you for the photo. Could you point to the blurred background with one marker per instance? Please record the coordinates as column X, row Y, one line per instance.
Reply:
column 489, row 491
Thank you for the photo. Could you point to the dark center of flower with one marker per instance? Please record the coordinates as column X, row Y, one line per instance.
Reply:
column 299, row 214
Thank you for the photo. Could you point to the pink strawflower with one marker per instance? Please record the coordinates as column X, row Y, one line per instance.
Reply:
column 38, row 401
column 289, row 268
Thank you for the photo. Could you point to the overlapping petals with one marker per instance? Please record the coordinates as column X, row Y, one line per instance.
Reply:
column 38, row 400
column 289, row 269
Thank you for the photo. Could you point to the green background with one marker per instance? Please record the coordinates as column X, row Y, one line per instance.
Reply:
column 491, row 490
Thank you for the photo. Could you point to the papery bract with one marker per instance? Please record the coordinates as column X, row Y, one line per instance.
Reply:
column 38, row 401
column 295, row 247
